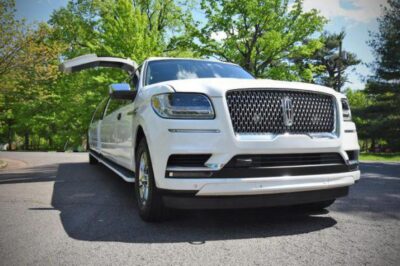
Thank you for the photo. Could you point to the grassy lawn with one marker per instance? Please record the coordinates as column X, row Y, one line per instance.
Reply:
column 380, row 157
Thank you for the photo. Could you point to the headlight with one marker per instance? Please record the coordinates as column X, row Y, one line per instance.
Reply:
column 346, row 110
column 183, row 106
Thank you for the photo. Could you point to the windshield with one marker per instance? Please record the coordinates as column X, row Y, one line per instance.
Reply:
column 163, row 70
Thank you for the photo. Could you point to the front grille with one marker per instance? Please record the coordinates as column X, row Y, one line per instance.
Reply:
column 188, row 160
column 260, row 111
column 285, row 160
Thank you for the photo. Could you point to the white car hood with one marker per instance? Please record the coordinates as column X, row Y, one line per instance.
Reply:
column 217, row 87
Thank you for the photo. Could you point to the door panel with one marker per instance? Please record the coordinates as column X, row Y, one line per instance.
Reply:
column 116, row 133
column 94, row 128
column 107, row 129
column 94, row 137
column 125, row 136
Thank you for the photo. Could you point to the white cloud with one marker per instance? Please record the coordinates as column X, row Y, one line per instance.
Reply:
column 357, row 10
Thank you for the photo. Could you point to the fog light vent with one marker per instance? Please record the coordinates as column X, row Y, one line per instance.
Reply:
column 188, row 160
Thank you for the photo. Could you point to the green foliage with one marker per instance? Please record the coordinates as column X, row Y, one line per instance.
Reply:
column 124, row 28
column 332, row 61
column 358, row 101
column 262, row 36
column 12, row 37
column 384, row 88
column 30, row 103
column 44, row 109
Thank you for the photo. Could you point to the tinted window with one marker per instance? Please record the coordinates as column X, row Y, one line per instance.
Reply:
column 163, row 70
column 116, row 104
column 98, row 114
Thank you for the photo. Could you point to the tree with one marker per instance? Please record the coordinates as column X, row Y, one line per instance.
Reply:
column 12, row 43
column 29, row 103
column 12, row 37
column 334, row 61
column 47, row 109
column 124, row 28
column 263, row 36
column 366, row 129
column 383, row 89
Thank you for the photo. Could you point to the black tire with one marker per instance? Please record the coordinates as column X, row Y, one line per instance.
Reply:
column 152, row 209
column 317, row 206
column 92, row 159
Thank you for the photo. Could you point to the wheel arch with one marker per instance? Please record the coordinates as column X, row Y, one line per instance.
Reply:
column 139, row 136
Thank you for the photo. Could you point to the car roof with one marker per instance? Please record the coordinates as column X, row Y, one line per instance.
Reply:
column 183, row 58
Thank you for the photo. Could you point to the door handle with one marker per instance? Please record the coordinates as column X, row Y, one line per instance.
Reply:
column 119, row 116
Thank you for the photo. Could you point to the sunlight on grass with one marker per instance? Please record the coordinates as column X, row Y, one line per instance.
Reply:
column 380, row 157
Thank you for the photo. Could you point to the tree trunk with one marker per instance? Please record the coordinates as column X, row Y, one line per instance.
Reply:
column 372, row 147
column 26, row 142
column 365, row 145
column 9, row 135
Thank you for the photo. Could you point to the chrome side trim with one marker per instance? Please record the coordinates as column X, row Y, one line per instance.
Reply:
column 194, row 130
column 194, row 169
column 189, row 169
column 124, row 177
column 252, row 136
column 299, row 166
column 322, row 135
column 270, row 137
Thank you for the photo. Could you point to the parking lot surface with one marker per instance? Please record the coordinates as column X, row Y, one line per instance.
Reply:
column 55, row 208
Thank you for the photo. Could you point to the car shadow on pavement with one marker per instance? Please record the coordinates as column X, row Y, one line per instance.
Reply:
column 97, row 205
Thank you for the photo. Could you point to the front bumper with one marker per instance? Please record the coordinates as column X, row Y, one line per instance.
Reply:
column 185, row 201
column 262, row 185
column 166, row 137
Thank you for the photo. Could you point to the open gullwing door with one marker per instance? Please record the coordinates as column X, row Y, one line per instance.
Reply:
column 91, row 61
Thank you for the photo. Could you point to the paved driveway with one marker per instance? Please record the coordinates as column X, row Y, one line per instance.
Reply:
column 55, row 208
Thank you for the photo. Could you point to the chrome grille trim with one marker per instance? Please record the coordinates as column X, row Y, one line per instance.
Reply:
column 315, row 113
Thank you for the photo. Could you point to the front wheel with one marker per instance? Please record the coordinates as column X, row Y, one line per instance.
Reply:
column 148, row 197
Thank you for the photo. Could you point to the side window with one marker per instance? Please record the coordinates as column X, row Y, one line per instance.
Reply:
column 98, row 114
column 115, row 104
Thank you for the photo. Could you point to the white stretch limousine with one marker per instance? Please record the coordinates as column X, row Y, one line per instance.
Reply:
column 200, row 134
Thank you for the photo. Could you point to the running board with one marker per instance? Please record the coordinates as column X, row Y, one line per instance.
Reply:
column 125, row 174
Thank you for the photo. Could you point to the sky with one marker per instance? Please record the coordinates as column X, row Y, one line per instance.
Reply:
column 356, row 17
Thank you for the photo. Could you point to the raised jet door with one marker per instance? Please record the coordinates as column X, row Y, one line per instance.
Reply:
column 108, row 134
column 91, row 61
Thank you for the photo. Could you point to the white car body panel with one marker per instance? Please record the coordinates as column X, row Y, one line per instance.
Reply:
column 92, row 60
column 217, row 87
column 217, row 137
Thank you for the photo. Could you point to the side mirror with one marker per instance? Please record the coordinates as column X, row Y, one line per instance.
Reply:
column 122, row 91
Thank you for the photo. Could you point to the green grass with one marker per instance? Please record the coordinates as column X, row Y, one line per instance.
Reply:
column 380, row 157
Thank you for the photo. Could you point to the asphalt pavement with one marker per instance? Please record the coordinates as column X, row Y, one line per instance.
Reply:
column 56, row 209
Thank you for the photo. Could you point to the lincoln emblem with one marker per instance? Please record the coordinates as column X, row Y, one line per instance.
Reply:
column 287, row 108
